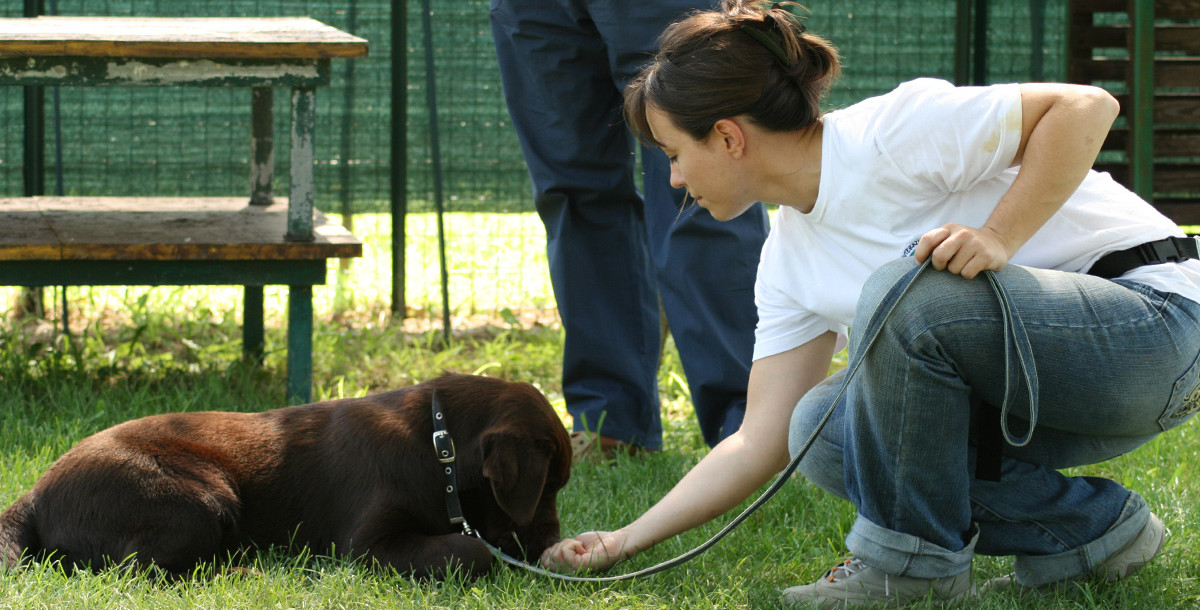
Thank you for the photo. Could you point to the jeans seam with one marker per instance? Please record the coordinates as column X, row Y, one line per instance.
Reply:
column 976, row 505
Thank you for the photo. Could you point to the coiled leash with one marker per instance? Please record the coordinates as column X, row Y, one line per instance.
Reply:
column 1014, row 332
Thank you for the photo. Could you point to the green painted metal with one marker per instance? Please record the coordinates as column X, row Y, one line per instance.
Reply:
column 161, row 273
column 302, row 190
column 399, row 152
column 135, row 72
column 962, row 42
column 979, row 44
column 1141, row 116
column 299, row 338
column 252, row 324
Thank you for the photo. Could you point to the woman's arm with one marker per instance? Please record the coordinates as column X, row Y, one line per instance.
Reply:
column 1062, row 129
column 733, row 470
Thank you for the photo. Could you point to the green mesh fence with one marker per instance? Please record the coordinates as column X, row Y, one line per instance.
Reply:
column 181, row 141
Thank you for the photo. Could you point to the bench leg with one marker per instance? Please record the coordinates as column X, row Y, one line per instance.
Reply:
column 262, row 150
column 302, row 189
column 252, row 324
column 299, row 354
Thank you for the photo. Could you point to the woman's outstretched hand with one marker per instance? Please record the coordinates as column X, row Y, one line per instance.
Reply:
column 589, row 551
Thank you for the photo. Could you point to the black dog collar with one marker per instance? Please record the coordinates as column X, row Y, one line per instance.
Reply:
column 443, row 444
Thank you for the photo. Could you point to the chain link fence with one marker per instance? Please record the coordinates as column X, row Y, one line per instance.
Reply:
column 195, row 142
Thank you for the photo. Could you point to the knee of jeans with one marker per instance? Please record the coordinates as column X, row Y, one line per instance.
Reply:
column 877, row 286
column 823, row 462
column 933, row 295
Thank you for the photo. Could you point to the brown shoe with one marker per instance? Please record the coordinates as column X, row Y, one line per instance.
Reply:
column 592, row 447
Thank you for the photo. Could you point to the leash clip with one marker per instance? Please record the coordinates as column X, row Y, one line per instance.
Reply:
column 467, row 529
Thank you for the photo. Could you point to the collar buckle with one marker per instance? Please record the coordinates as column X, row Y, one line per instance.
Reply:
column 443, row 444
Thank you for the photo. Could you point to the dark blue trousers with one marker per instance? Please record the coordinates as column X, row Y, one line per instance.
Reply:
column 613, row 255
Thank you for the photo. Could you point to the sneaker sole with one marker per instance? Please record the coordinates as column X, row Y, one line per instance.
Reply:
column 1152, row 536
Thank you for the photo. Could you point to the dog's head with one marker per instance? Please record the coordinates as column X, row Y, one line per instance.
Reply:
column 525, row 457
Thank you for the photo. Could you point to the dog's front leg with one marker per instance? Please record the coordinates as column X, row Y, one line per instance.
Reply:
column 434, row 557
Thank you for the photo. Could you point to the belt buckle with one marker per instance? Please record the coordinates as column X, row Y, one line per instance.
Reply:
column 1162, row 251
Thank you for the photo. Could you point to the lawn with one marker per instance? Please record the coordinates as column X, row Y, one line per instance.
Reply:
column 137, row 351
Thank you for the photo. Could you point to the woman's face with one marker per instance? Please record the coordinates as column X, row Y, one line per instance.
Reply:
column 704, row 167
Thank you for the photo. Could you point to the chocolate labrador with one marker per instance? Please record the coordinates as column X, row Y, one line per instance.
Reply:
column 357, row 477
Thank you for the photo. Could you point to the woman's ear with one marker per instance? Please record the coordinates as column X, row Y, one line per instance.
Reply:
column 732, row 137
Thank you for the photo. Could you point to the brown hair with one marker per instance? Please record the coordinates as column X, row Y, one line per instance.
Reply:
column 709, row 67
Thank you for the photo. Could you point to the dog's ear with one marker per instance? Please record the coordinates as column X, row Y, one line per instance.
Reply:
column 517, row 473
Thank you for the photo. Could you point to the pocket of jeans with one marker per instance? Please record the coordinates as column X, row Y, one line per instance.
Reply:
column 1185, row 398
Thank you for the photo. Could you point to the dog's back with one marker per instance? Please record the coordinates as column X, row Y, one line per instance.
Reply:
column 17, row 534
column 145, row 487
column 357, row 475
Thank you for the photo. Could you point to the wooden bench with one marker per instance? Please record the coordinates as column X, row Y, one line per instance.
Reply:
column 253, row 240
column 1146, row 52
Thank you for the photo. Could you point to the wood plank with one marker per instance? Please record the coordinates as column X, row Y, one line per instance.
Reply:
column 161, row 273
column 1099, row 6
column 1177, row 37
column 176, row 37
column 1171, row 108
column 155, row 228
column 163, row 72
column 1176, row 9
column 1100, row 36
column 1177, row 72
column 1099, row 69
column 1174, row 143
column 1167, row 37
column 25, row 232
column 1177, row 178
column 1170, row 179
column 1169, row 72
column 1182, row 211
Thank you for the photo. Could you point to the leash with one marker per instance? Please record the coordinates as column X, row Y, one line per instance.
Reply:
column 1014, row 332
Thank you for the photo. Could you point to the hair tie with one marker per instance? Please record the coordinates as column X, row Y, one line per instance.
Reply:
column 772, row 39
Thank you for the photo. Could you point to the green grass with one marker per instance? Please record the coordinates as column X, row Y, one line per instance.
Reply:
column 137, row 351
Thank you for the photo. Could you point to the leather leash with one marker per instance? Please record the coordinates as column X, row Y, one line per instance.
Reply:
column 1014, row 334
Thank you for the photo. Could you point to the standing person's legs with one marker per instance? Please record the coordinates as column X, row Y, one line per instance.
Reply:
column 705, row 269
column 566, row 110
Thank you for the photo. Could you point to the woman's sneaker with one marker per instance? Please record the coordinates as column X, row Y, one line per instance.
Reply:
column 854, row 583
column 1127, row 560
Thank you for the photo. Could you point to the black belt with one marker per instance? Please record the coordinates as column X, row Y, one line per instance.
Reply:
column 1169, row 250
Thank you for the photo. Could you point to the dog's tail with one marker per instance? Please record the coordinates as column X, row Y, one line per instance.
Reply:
column 18, row 536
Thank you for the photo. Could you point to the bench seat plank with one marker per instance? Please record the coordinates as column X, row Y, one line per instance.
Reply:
column 177, row 37
column 161, row 229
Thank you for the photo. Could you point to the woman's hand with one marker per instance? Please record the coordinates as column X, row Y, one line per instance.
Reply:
column 590, row 551
column 734, row 469
column 963, row 250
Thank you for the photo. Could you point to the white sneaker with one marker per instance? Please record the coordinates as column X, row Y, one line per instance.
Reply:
column 1127, row 560
column 854, row 583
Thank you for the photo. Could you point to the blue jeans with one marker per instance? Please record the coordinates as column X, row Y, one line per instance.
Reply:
column 613, row 255
column 1116, row 364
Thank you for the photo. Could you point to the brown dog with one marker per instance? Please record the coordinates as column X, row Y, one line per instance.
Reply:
column 357, row 477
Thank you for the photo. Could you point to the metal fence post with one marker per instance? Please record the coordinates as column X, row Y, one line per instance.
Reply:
column 1141, row 117
column 399, row 151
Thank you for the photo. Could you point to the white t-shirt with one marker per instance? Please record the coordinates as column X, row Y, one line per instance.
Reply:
column 896, row 166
